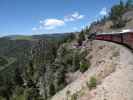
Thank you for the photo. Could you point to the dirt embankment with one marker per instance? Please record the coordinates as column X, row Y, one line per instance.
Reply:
column 112, row 65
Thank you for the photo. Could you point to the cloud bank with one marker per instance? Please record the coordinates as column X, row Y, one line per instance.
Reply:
column 73, row 17
column 52, row 23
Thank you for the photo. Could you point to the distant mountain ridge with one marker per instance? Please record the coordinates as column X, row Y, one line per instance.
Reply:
column 41, row 36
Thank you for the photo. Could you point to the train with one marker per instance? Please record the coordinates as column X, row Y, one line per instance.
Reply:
column 123, row 37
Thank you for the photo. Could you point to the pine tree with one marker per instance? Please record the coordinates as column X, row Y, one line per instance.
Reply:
column 17, row 78
column 129, row 4
column 116, row 15
column 81, row 37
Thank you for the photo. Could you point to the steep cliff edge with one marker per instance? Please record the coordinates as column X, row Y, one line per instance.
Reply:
column 112, row 66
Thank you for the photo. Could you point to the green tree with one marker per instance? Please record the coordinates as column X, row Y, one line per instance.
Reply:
column 31, row 93
column 6, row 90
column 17, row 78
column 76, row 61
column 52, row 89
column 116, row 15
column 129, row 4
column 81, row 37
column 84, row 65
column 71, row 37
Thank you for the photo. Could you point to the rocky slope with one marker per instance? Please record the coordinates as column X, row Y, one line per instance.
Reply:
column 106, row 27
column 112, row 65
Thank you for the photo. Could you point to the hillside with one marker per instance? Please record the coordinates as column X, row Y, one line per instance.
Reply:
column 106, row 27
column 113, row 73
column 119, row 17
column 109, row 75
column 69, row 66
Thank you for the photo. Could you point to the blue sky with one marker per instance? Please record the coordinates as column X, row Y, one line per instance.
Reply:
column 28, row 17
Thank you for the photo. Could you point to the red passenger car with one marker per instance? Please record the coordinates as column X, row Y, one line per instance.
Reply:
column 104, row 37
column 128, row 39
column 125, row 38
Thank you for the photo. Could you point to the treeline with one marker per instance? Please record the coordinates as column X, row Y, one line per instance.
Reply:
column 117, row 11
column 115, row 15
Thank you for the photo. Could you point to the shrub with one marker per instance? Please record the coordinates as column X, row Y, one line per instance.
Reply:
column 81, row 38
column 74, row 96
column 68, row 92
column 3, row 61
column 92, row 83
column 2, row 98
column 84, row 66
column 76, row 61
column 18, row 97
column 31, row 93
column 52, row 89
column 19, row 90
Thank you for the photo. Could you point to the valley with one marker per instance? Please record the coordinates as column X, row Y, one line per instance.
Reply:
column 70, row 61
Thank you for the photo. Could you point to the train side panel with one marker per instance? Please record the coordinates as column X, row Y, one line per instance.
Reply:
column 117, row 38
column 104, row 37
column 123, row 38
column 107, row 37
column 110, row 37
column 128, row 39
column 99, row 37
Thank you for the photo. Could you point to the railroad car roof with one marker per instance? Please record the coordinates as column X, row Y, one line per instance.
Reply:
column 117, row 32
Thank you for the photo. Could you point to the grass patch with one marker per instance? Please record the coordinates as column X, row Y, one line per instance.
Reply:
column 84, row 65
column 20, row 97
column 2, row 98
column 22, row 38
column 74, row 96
column 92, row 83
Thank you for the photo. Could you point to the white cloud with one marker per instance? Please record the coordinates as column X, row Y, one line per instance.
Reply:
column 68, row 19
column 76, row 15
column 51, row 23
column 73, row 17
column 103, row 11
column 34, row 29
